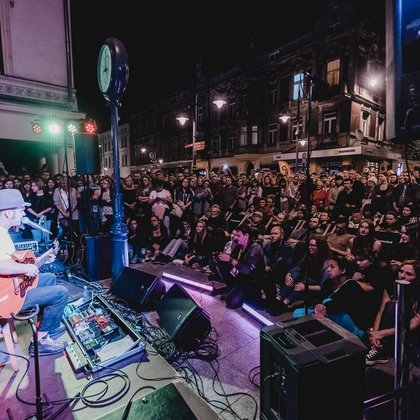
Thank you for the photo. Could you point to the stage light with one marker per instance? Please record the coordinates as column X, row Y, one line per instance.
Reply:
column 256, row 315
column 72, row 127
column 36, row 127
column 89, row 126
column 188, row 281
column 53, row 128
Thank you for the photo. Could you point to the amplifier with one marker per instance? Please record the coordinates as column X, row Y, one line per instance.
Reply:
column 27, row 246
column 311, row 369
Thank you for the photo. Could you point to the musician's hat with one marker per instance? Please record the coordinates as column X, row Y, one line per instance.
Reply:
column 11, row 199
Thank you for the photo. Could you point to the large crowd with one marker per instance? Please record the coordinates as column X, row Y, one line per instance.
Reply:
column 343, row 238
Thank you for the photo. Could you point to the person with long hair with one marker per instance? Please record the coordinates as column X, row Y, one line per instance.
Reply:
column 142, row 196
column 40, row 210
column 199, row 250
column 364, row 240
column 383, row 331
column 294, row 281
column 157, row 238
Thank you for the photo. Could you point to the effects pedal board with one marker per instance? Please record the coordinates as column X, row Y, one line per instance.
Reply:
column 100, row 336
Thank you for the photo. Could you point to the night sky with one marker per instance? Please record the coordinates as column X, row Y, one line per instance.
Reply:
column 165, row 39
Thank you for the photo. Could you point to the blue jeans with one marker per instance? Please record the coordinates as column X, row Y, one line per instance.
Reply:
column 51, row 298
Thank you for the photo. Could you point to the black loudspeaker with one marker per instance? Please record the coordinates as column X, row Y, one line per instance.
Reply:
column 311, row 369
column 98, row 261
column 86, row 149
column 186, row 323
column 139, row 289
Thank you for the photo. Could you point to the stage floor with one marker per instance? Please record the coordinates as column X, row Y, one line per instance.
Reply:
column 239, row 345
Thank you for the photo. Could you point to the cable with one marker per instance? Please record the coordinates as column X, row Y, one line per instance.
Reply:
column 252, row 378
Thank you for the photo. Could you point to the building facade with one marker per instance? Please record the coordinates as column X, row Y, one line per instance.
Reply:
column 36, row 83
column 106, row 151
column 341, row 62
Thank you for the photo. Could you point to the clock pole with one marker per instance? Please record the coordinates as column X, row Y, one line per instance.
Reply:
column 112, row 72
column 118, row 229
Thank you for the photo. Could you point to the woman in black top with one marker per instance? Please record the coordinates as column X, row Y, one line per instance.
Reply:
column 199, row 249
column 40, row 210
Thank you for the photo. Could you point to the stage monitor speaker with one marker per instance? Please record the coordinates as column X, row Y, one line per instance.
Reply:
column 86, row 149
column 186, row 323
column 139, row 289
column 98, row 261
column 311, row 369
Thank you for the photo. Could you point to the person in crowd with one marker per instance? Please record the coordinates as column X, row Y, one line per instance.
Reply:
column 135, row 243
column 157, row 238
column 129, row 196
column 105, row 200
column 336, row 186
column 184, row 198
column 314, row 263
column 177, row 247
column 254, row 191
column 161, row 202
column 278, row 256
column 229, row 196
column 198, row 248
column 40, row 211
column 202, row 198
column 382, row 194
column 382, row 333
column 26, row 189
column 320, row 196
column 364, row 240
column 241, row 269
column 51, row 297
column 339, row 241
column 144, row 189
column 405, row 193
column 358, row 299
column 65, row 202
column 216, row 221
column 347, row 200
column 354, row 221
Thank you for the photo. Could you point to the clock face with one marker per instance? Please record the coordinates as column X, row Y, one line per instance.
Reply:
column 104, row 68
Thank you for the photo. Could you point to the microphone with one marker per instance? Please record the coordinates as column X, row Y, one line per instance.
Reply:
column 26, row 221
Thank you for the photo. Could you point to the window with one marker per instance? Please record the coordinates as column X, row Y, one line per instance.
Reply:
column 272, row 134
column 333, row 72
column 232, row 109
column 274, row 56
column 216, row 144
column 330, row 122
column 380, row 127
column 297, row 85
column 200, row 114
column 295, row 127
column 254, row 134
column 365, row 123
column 273, row 96
column 231, row 144
column 243, row 136
column 244, row 103
column 284, row 132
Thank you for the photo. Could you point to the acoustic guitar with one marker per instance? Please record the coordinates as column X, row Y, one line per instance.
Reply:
column 13, row 288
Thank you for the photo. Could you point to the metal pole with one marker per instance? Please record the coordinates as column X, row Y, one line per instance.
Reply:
column 118, row 229
column 402, row 325
column 298, row 128
column 194, row 133
column 308, row 193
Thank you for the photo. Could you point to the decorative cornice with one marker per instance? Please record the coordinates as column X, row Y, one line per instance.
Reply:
column 30, row 91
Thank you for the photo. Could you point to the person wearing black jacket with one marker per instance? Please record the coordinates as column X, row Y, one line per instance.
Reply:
column 240, row 270
column 278, row 256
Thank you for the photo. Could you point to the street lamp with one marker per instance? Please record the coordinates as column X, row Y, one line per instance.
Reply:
column 183, row 119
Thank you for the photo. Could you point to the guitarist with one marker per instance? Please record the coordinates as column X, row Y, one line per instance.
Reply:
column 51, row 297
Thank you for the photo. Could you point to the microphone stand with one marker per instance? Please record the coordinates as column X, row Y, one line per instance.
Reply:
column 308, row 190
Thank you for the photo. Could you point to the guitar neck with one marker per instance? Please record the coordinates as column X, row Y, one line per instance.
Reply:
column 43, row 257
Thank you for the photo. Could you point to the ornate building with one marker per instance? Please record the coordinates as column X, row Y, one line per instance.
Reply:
column 342, row 58
column 36, row 83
